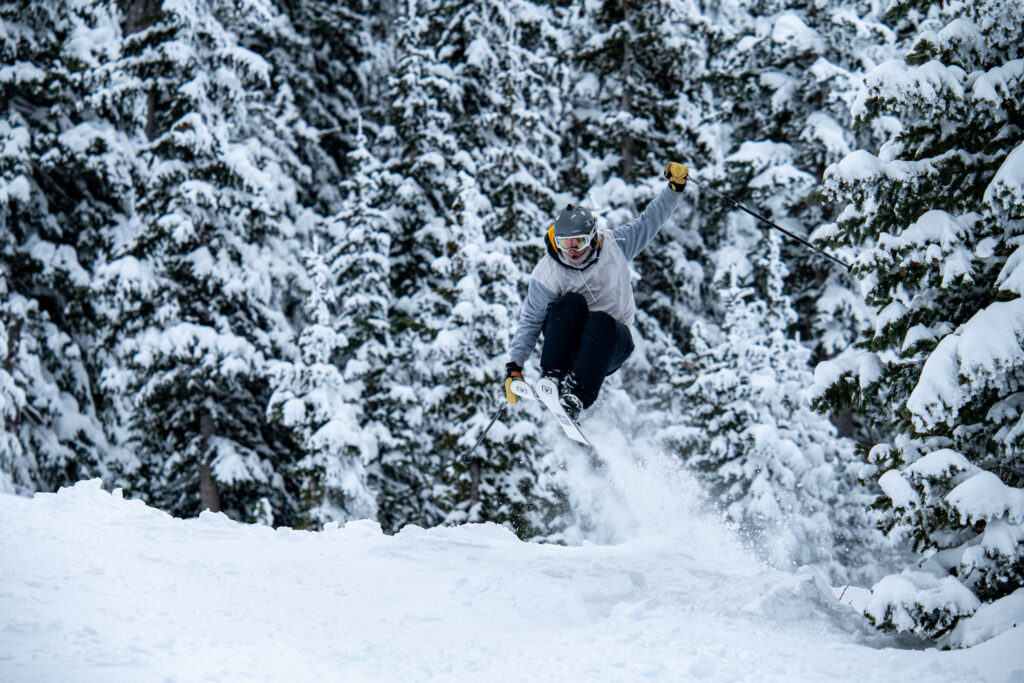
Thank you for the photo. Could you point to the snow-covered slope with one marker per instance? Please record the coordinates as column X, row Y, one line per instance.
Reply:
column 97, row 588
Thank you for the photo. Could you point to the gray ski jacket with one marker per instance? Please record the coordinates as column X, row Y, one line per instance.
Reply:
column 605, row 284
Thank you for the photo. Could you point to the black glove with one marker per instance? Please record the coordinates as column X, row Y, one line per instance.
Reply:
column 512, row 371
column 676, row 175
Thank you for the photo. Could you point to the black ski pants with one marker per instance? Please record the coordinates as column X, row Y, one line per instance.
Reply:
column 583, row 347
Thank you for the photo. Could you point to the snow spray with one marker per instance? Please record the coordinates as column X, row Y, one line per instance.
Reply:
column 630, row 490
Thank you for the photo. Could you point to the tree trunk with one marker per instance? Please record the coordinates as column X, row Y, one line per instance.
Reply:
column 14, row 323
column 474, row 483
column 140, row 15
column 209, row 495
column 151, row 104
column 626, row 103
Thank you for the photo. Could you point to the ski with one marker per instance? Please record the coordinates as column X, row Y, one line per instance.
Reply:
column 546, row 392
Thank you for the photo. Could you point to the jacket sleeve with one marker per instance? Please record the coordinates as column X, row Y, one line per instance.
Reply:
column 531, row 319
column 636, row 235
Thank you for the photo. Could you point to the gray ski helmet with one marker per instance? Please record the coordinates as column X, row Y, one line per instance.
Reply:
column 574, row 221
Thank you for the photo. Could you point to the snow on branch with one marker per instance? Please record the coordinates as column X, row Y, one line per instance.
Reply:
column 1007, row 187
column 1011, row 277
column 901, row 601
column 892, row 81
column 984, row 497
column 862, row 366
column 987, row 352
column 997, row 84
column 252, row 64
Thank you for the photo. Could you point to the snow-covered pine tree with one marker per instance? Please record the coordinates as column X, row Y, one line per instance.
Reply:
column 936, row 219
column 360, row 268
column 17, row 472
column 419, row 144
column 462, row 112
column 48, row 438
column 196, row 297
column 774, row 467
column 510, row 72
column 786, row 77
column 323, row 410
column 333, row 394
column 670, row 91
column 336, row 67
column 634, row 86
column 465, row 353
column 515, row 140
column 65, row 176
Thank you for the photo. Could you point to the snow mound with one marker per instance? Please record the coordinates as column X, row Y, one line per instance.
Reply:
column 94, row 587
column 995, row 617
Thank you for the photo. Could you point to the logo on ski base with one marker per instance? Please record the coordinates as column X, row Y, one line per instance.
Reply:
column 546, row 392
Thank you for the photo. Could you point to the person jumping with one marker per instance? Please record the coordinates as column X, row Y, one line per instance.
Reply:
column 581, row 296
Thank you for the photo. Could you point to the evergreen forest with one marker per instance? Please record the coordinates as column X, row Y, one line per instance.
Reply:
column 266, row 258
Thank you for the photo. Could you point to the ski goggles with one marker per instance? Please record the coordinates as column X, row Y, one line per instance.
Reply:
column 574, row 241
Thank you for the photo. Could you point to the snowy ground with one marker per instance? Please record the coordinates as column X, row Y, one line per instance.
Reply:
column 97, row 588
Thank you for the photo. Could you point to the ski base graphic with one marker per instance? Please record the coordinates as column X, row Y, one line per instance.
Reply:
column 546, row 391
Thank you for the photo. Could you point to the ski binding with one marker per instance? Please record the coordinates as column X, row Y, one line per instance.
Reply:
column 546, row 392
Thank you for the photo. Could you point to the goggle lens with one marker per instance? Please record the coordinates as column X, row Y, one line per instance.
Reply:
column 574, row 242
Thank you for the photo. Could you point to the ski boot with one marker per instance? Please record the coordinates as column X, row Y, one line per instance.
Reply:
column 568, row 396
column 572, row 405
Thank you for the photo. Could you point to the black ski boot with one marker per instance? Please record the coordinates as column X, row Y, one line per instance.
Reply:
column 572, row 405
column 569, row 397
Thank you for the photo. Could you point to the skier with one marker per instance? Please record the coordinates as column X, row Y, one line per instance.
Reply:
column 580, row 295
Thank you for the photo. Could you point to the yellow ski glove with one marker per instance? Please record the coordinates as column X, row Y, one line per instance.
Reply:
column 512, row 371
column 676, row 175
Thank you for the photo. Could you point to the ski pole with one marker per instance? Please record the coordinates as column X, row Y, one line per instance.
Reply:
column 742, row 207
column 501, row 411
